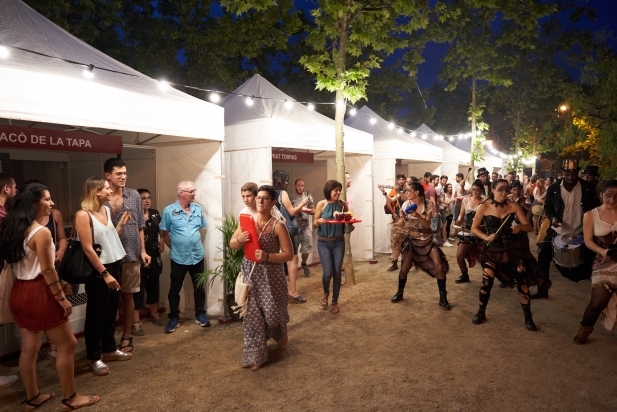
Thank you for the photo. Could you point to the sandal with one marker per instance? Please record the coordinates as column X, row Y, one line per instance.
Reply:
column 98, row 368
column 335, row 308
column 297, row 299
column 117, row 355
column 28, row 402
column 324, row 301
column 129, row 346
column 283, row 342
column 92, row 399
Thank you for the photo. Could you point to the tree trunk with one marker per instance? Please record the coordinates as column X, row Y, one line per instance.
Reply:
column 472, row 150
column 339, row 118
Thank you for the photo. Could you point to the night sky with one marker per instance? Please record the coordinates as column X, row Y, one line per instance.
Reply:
column 433, row 53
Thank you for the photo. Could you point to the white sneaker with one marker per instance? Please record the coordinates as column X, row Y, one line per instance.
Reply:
column 447, row 244
column 6, row 381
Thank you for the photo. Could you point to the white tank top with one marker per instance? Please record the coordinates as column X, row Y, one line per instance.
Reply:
column 468, row 209
column 600, row 227
column 29, row 267
column 108, row 238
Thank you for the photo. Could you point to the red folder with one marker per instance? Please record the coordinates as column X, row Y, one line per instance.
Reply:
column 247, row 223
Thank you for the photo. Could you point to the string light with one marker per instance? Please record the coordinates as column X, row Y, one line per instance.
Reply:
column 341, row 105
column 214, row 97
column 373, row 120
column 390, row 125
column 413, row 134
column 310, row 106
column 400, row 130
column 424, row 136
column 4, row 52
column 353, row 111
column 249, row 101
column 288, row 104
column 163, row 85
column 88, row 72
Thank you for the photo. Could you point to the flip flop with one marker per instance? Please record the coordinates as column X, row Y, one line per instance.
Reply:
column 28, row 402
column 297, row 299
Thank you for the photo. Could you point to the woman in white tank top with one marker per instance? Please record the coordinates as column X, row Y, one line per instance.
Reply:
column 37, row 301
column 102, row 290
column 600, row 231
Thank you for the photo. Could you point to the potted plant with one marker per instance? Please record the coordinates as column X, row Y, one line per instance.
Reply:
column 229, row 270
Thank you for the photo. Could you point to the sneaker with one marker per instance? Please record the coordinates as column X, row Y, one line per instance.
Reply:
column 307, row 272
column 172, row 325
column 52, row 355
column 157, row 320
column 202, row 320
column 8, row 380
column 451, row 239
column 137, row 330
column 447, row 244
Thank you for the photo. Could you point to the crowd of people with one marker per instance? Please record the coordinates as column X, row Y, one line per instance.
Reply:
column 123, row 238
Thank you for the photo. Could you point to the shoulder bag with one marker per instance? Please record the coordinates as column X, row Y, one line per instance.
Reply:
column 75, row 266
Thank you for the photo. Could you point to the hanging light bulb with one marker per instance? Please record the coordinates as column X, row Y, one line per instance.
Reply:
column 353, row 111
column 163, row 85
column 249, row 100
column 390, row 125
column 400, row 130
column 424, row 136
column 88, row 72
column 451, row 138
column 310, row 106
column 214, row 97
column 340, row 104
column 373, row 120
column 288, row 104
column 435, row 137
column 413, row 134
column 4, row 52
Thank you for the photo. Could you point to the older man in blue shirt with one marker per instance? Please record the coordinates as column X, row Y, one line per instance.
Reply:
column 181, row 227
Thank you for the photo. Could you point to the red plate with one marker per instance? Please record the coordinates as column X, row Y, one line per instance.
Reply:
column 341, row 222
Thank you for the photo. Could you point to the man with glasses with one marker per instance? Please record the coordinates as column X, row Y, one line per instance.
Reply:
column 181, row 226
column 127, row 201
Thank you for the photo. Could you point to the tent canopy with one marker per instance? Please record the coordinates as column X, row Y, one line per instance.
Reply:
column 450, row 152
column 491, row 162
column 44, row 90
column 390, row 143
column 269, row 123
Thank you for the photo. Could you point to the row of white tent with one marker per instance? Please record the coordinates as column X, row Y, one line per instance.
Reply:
column 170, row 136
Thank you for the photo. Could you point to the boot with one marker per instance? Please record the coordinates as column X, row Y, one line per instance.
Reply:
column 398, row 296
column 583, row 334
column 443, row 299
column 540, row 294
column 528, row 319
column 464, row 278
column 393, row 267
column 480, row 315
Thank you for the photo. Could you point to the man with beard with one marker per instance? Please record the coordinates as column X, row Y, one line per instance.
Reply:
column 591, row 173
column 483, row 176
column 565, row 203
column 394, row 200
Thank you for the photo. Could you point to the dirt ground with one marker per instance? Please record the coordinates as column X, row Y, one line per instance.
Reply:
column 372, row 356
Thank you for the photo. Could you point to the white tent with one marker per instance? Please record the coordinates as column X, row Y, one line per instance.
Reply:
column 491, row 162
column 183, row 134
column 414, row 155
column 252, row 132
column 454, row 159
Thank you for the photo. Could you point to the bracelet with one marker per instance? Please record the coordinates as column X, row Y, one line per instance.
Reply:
column 105, row 272
column 57, row 293
column 60, row 300
column 49, row 284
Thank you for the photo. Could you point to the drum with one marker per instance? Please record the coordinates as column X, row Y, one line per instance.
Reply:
column 567, row 250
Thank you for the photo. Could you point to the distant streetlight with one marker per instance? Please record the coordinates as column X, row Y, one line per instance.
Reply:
column 563, row 107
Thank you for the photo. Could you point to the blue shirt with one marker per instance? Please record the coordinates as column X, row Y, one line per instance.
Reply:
column 186, row 247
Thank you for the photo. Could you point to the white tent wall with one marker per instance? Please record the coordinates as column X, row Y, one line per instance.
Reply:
column 242, row 166
column 418, row 169
column 201, row 163
column 384, row 172
column 360, row 168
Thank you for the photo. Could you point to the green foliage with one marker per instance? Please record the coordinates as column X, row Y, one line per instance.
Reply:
column 232, row 259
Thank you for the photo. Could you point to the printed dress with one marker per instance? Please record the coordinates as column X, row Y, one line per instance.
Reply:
column 267, row 315
column 604, row 273
column 508, row 256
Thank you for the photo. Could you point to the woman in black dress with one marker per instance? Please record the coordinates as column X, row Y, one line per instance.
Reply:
column 505, row 255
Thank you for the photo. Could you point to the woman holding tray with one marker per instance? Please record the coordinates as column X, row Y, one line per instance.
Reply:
column 330, row 242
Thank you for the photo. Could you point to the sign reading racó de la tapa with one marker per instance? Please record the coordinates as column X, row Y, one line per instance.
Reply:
column 17, row 137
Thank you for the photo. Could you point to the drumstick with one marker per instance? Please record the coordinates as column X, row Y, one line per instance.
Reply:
column 604, row 258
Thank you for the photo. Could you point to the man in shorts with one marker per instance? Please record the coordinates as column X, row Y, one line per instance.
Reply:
column 303, row 217
column 125, row 200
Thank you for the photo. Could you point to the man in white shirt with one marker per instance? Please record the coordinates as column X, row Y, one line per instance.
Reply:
column 249, row 193
column 304, row 217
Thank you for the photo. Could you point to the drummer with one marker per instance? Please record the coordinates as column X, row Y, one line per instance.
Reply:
column 469, row 246
column 565, row 203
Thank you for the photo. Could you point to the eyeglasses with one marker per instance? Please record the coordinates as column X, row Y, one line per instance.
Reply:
column 190, row 191
column 501, row 189
column 147, row 198
column 262, row 199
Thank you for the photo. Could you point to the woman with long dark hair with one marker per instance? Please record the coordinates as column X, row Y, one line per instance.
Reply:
column 267, row 315
column 505, row 255
column 469, row 246
column 37, row 301
column 418, row 248
column 94, row 220
column 600, row 232
column 281, row 181
column 330, row 242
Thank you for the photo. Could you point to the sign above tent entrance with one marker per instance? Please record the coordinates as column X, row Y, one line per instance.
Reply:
column 281, row 156
column 18, row 137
